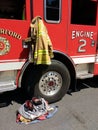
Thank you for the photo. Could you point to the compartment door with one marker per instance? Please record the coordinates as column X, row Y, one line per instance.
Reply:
column 83, row 31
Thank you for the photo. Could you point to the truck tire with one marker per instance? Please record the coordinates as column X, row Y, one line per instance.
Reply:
column 48, row 81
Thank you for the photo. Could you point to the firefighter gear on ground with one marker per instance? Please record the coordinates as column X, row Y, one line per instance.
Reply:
column 35, row 110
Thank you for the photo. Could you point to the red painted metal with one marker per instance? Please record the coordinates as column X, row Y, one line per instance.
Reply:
column 66, row 37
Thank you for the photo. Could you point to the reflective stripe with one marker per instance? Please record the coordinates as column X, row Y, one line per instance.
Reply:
column 11, row 66
column 83, row 59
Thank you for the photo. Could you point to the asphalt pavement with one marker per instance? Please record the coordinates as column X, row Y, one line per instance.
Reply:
column 76, row 111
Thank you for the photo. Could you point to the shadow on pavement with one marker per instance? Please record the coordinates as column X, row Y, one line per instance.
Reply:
column 16, row 95
column 84, row 84
column 88, row 83
column 20, row 97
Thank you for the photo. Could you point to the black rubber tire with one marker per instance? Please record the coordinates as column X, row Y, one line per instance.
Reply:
column 32, row 81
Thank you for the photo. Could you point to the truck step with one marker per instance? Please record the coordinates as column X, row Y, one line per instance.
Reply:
column 84, row 76
column 7, row 86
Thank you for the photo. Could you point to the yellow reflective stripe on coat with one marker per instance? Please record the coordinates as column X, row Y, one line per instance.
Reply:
column 42, row 57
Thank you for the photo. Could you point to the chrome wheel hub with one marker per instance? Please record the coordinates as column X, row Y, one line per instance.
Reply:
column 50, row 83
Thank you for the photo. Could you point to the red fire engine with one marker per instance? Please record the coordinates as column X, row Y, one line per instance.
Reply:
column 73, row 28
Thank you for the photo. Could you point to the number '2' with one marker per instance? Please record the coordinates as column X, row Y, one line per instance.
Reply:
column 81, row 47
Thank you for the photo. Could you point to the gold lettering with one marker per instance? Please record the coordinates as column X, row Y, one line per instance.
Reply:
column 10, row 33
column 2, row 31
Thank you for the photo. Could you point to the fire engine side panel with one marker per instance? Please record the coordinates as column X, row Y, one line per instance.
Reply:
column 12, row 32
column 57, row 31
column 96, row 63
column 82, row 38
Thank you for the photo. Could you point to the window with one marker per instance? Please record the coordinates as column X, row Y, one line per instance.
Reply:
column 52, row 10
column 84, row 12
column 12, row 9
